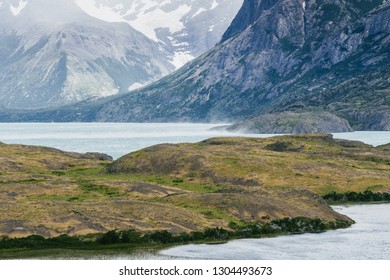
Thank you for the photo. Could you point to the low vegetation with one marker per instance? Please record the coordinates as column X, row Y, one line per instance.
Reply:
column 296, row 225
column 366, row 196
column 229, row 187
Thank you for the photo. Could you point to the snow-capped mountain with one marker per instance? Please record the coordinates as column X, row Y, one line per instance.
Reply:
column 184, row 29
column 60, row 52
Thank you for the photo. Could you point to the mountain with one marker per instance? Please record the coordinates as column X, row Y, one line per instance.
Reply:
column 184, row 29
column 277, row 56
column 54, row 53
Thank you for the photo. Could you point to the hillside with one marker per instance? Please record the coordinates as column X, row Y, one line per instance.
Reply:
column 183, row 187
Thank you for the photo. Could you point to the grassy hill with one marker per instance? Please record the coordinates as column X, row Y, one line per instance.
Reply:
column 183, row 187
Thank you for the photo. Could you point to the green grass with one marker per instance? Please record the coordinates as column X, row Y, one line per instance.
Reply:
column 89, row 187
column 68, row 198
column 180, row 183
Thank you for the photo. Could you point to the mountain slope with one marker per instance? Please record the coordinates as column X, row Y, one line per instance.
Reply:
column 53, row 53
column 288, row 57
column 184, row 29
column 277, row 56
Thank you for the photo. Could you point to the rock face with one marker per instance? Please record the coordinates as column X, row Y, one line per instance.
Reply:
column 289, row 122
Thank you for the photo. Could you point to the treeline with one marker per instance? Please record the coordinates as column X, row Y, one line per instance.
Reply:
column 366, row 196
column 250, row 230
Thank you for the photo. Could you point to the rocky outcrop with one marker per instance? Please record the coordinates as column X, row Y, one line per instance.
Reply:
column 290, row 122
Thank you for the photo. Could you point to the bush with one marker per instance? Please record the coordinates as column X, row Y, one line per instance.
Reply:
column 216, row 233
column 111, row 237
column 366, row 196
column 162, row 236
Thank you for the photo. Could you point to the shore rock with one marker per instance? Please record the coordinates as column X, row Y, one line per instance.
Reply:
column 291, row 122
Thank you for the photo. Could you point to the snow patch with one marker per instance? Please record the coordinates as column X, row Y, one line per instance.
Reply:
column 148, row 21
column 101, row 12
column 304, row 5
column 136, row 86
column 15, row 10
column 214, row 5
column 146, row 18
column 201, row 10
column 181, row 58
column 119, row 7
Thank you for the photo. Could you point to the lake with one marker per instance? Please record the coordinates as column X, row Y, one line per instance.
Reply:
column 114, row 139
column 118, row 139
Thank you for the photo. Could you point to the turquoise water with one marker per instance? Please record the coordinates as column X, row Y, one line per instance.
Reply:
column 115, row 139
column 118, row 139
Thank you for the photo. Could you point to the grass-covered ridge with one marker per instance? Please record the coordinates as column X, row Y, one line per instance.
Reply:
column 184, row 188
column 318, row 163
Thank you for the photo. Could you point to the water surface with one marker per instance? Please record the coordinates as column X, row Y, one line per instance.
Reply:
column 115, row 139
column 366, row 240
column 118, row 139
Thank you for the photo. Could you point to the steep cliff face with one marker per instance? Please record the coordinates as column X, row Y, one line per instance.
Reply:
column 278, row 55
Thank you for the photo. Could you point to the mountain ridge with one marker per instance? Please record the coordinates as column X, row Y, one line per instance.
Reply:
column 296, row 56
column 54, row 53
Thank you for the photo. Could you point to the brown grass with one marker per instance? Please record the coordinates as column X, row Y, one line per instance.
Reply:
column 182, row 187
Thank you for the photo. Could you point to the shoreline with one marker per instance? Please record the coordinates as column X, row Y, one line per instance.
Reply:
column 220, row 236
column 142, row 250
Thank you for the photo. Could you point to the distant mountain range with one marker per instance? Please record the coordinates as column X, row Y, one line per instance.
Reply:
column 277, row 56
column 54, row 53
